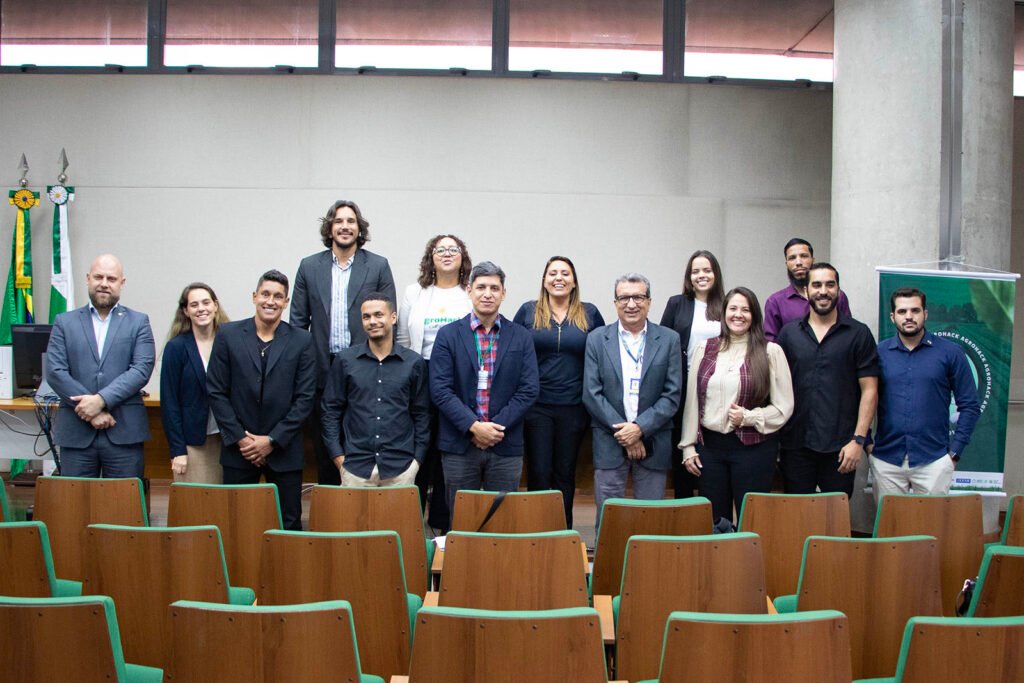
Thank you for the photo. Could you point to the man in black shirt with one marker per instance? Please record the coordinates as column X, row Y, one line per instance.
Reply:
column 376, row 420
column 834, row 363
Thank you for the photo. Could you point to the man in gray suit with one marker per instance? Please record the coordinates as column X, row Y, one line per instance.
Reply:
column 329, row 289
column 99, row 358
column 632, row 381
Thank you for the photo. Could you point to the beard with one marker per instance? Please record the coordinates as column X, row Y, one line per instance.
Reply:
column 816, row 307
column 798, row 282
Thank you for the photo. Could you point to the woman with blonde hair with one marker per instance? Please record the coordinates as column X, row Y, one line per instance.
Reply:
column 554, row 427
column 191, row 431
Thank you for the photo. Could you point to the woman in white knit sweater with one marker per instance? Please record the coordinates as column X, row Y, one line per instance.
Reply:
column 739, row 394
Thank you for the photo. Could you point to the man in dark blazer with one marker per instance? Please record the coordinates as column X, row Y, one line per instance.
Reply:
column 483, row 379
column 98, row 360
column 342, row 274
column 261, row 380
column 631, row 387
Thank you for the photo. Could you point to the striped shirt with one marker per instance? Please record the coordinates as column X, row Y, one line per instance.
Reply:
column 341, row 336
column 487, row 353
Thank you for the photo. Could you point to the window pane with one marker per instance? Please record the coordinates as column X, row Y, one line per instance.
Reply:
column 772, row 39
column 73, row 32
column 257, row 33
column 1018, row 51
column 590, row 36
column 414, row 34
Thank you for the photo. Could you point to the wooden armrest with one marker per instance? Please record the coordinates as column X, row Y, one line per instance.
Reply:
column 431, row 598
column 399, row 679
column 603, row 605
column 771, row 605
column 438, row 564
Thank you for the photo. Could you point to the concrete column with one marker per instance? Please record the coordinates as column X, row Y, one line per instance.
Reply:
column 887, row 141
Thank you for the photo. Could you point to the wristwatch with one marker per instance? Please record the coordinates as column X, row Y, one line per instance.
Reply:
column 861, row 440
column 955, row 456
column 273, row 443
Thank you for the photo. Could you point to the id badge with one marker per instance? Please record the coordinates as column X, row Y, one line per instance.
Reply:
column 481, row 379
column 634, row 387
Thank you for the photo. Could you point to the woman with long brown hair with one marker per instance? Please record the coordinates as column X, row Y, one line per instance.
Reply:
column 739, row 395
column 191, row 431
column 554, row 427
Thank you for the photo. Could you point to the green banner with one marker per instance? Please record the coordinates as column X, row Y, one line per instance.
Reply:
column 975, row 310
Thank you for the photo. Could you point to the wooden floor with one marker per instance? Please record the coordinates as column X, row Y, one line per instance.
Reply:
column 21, row 497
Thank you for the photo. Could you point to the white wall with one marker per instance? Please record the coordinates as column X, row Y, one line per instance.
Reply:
column 219, row 178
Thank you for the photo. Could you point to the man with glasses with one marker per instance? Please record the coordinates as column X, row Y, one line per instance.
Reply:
column 329, row 287
column 632, row 382
column 483, row 379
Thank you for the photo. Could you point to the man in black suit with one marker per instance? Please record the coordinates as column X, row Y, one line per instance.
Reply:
column 329, row 288
column 261, row 380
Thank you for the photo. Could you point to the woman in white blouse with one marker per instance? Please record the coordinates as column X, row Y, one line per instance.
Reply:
column 437, row 298
column 739, row 394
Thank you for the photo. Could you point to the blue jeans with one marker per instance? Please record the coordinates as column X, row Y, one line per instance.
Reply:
column 647, row 484
column 102, row 458
column 477, row 470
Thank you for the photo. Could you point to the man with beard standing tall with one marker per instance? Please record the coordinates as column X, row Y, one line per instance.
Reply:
column 98, row 360
column 790, row 302
column 329, row 288
column 834, row 364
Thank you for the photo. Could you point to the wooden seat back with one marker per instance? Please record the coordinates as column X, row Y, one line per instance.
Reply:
column 146, row 569
column 67, row 505
column 784, row 522
column 664, row 574
column 955, row 521
column 242, row 513
column 1000, row 589
column 514, row 571
column 625, row 517
column 347, row 509
column 363, row 568
column 26, row 570
column 530, row 512
column 314, row 643
column 878, row 584
column 455, row 645
column 805, row 647
column 956, row 650
column 1013, row 525
column 5, row 511
column 59, row 639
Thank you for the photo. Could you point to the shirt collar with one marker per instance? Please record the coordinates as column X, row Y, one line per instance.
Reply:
column 346, row 264
column 897, row 342
column 94, row 312
column 627, row 335
column 364, row 350
column 475, row 324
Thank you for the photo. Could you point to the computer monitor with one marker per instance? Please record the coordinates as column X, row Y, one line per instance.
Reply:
column 29, row 346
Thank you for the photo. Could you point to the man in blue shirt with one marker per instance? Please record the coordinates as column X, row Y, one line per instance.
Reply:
column 913, row 451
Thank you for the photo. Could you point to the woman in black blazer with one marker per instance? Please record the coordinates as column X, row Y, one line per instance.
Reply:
column 188, row 424
column 695, row 315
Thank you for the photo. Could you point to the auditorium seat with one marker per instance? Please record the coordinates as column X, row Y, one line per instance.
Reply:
column 625, row 517
column 784, row 521
column 878, row 583
column 26, row 563
column 393, row 508
column 312, row 643
column 364, row 568
column 65, row 639
column 519, row 513
column 5, row 511
column 1013, row 525
column 954, row 520
column 67, row 505
column 1000, row 588
column 241, row 512
column 145, row 569
column 806, row 647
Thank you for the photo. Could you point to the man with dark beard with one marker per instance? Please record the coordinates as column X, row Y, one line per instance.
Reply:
column 790, row 302
column 834, row 364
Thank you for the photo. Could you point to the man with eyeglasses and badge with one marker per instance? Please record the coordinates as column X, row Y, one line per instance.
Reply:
column 632, row 383
column 329, row 288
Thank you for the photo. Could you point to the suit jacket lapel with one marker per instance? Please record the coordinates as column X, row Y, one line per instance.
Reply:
column 356, row 278
column 86, row 319
column 323, row 281
column 195, row 360
column 251, row 341
column 469, row 342
column 650, row 350
column 114, row 327
column 506, row 325
column 611, row 347
column 277, row 348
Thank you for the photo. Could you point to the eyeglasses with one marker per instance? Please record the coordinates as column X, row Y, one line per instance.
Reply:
column 637, row 299
column 447, row 251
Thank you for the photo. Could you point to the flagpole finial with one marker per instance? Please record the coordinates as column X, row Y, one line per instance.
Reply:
column 63, row 177
column 23, row 167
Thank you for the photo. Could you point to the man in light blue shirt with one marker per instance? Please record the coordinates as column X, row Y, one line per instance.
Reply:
column 913, row 451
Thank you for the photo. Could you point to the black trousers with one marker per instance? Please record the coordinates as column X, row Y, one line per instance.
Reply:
column 683, row 483
column 289, row 490
column 553, row 434
column 326, row 471
column 730, row 470
column 431, row 474
column 805, row 471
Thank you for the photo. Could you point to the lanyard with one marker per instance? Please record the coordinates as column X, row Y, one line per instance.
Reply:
column 638, row 359
column 490, row 350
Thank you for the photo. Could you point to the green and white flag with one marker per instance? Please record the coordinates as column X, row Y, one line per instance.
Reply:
column 62, row 288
